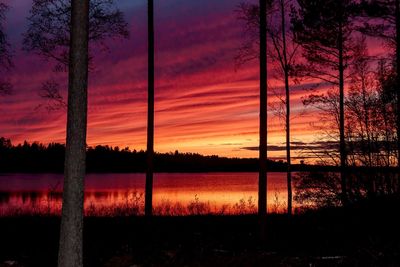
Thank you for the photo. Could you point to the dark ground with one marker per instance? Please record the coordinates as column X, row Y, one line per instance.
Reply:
column 365, row 235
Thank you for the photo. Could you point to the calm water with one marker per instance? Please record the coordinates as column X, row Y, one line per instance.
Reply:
column 122, row 194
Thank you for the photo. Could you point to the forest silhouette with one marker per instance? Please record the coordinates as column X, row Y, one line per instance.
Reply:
column 36, row 157
column 323, row 43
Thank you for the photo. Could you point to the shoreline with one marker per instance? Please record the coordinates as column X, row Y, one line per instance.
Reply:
column 366, row 234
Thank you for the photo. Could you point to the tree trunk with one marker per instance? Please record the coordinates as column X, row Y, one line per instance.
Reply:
column 150, row 115
column 71, row 232
column 262, row 182
column 341, row 119
column 287, row 100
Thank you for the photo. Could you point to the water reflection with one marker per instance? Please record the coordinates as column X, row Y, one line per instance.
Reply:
column 123, row 194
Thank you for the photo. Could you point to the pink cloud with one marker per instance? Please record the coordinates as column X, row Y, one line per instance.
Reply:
column 202, row 103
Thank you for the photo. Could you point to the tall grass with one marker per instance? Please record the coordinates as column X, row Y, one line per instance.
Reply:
column 134, row 206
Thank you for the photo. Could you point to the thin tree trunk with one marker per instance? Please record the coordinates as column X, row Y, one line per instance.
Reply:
column 371, row 176
column 262, row 182
column 150, row 115
column 71, row 232
column 287, row 90
column 366, row 121
column 341, row 119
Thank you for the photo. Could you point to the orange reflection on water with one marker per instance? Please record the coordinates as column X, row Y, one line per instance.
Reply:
column 174, row 194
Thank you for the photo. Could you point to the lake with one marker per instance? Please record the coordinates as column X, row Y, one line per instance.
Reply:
column 123, row 194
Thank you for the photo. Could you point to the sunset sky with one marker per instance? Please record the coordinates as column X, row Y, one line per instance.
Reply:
column 202, row 103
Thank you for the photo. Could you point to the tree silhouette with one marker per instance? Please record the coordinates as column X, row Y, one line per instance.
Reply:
column 71, row 231
column 382, row 20
column 279, row 52
column 150, row 112
column 255, row 18
column 387, row 101
column 370, row 120
column 360, row 103
column 5, row 53
column 365, row 112
column 262, row 182
column 324, row 31
column 369, row 129
column 49, row 29
column 285, row 59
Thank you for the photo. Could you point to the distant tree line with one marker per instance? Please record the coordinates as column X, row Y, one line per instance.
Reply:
column 37, row 157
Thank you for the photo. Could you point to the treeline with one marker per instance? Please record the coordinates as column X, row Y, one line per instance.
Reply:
column 37, row 157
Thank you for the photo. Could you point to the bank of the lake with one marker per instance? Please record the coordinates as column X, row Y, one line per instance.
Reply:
column 362, row 235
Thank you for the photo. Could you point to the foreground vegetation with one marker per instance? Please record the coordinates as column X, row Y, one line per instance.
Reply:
column 133, row 205
column 365, row 234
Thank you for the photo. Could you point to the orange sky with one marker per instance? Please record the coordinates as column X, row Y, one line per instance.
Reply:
column 202, row 104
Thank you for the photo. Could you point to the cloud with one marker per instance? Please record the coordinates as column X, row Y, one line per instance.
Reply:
column 200, row 98
column 318, row 146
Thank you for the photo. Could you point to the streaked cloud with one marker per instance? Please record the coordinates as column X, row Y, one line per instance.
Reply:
column 202, row 104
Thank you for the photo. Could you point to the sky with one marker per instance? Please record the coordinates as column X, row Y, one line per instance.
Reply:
column 202, row 103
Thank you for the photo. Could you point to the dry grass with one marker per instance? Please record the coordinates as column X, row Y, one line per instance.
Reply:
column 134, row 206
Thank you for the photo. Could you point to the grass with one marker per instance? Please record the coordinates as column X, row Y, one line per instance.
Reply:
column 133, row 205
column 366, row 234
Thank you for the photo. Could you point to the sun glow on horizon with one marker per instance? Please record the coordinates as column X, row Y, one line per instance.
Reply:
column 203, row 105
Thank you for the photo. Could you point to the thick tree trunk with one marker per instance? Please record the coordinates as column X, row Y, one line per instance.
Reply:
column 70, row 249
column 287, row 100
column 262, row 182
column 150, row 115
column 343, row 157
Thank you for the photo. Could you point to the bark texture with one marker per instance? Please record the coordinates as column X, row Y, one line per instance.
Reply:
column 71, row 232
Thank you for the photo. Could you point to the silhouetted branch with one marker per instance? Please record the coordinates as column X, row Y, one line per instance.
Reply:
column 5, row 53
column 50, row 92
column 49, row 28
column 48, row 36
